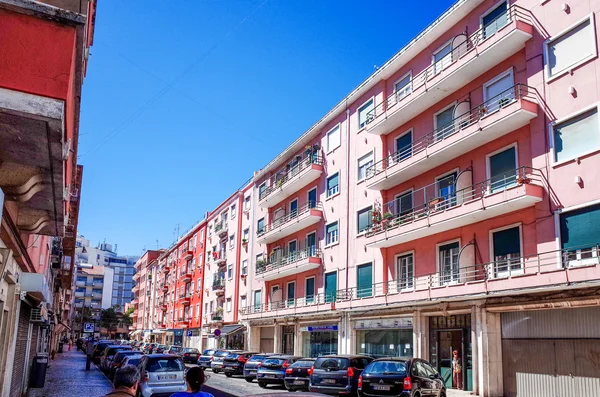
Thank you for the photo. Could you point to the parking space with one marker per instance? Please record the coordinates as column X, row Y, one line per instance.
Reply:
column 237, row 385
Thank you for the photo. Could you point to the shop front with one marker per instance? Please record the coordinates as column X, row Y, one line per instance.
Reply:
column 178, row 337
column 234, row 336
column 384, row 337
column 319, row 340
column 449, row 334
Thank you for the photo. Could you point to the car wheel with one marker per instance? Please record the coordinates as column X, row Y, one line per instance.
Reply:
column 262, row 385
column 228, row 374
column 249, row 380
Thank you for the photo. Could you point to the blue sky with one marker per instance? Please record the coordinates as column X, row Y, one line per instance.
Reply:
column 184, row 99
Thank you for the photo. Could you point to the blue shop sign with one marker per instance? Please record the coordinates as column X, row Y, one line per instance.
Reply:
column 178, row 332
column 319, row 328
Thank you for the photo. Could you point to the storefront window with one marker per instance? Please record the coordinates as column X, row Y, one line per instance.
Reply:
column 385, row 343
column 318, row 342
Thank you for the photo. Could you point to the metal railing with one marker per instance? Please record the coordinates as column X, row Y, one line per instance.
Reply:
column 441, row 133
column 284, row 257
column 444, row 195
column 218, row 282
column 221, row 227
column 470, row 43
column 289, row 217
column 417, row 288
column 287, row 173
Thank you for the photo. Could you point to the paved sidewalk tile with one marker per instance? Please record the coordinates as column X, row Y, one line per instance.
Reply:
column 67, row 377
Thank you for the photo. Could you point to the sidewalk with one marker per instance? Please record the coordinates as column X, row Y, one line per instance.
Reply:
column 67, row 377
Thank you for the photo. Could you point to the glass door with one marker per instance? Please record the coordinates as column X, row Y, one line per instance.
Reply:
column 291, row 254
column 312, row 198
column 309, row 292
column 291, row 293
column 450, row 341
column 446, row 188
column 293, row 208
column 405, row 271
column 311, row 244
column 449, row 268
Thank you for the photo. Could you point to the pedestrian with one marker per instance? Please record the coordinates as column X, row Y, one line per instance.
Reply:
column 456, row 370
column 126, row 382
column 70, row 343
column 195, row 379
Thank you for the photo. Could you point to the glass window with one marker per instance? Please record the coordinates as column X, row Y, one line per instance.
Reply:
column 333, row 138
column 449, row 267
column 576, row 136
column 507, row 250
column 230, row 272
column 262, row 190
column 580, row 234
column 245, row 266
column 570, row 48
column 257, row 299
column 246, row 234
column 499, row 92
column 364, row 163
column 247, row 203
column 444, row 123
column 495, row 20
column 260, row 225
column 403, row 87
column 365, row 114
column 228, row 304
column 389, row 367
column 403, row 147
column 405, row 271
column 310, row 289
column 330, row 287
column 331, row 233
column 316, row 344
column 364, row 219
column 333, row 184
column 442, row 58
column 503, row 169
column 233, row 211
column 364, row 280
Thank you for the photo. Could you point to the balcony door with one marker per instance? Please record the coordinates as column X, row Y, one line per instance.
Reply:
column 446, row 192
column 444, row 123
column 291, row 293
column 293, row 208
column 330, row 286
column 292, row 248
column 503, row 169
column 403, row 147
column 448, row 261
column 311, row 244
column 309, row 290
column 404, row 204
column 405, row 271
column 364, row 276
column 494, row 20
column 507, row 251
column 499, row 91
column 312, row 198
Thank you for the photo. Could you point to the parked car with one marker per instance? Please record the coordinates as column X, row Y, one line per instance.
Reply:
column 140, row 347
column 99, row 349
column 161, row 374
column 206, row 358
column 109, row 353
column 296, row 375
column 233, row 363
column 161, row 349
column 174, row 349
column 131, row 360
column 190, row 355
column 115, row 363
column 272, row 369
column 216, row 365
column 337, row 374
column 252, row 364
column 401, row 377
column 149, row 348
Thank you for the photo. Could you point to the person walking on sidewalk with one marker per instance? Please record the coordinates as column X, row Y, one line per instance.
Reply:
column 70, row 343
column 195, row 379
column 126, row 382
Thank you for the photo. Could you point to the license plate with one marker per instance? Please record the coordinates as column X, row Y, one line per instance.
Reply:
column 270, row 376
column 166, row 377
column 331, row 381
column 252, row 371
column 298, row 382
column 381, row 387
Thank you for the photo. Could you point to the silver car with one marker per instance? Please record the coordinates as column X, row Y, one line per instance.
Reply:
column 216, row 365
column 161, row 374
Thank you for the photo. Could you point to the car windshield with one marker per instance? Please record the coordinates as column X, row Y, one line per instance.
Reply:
column 176, row 348
column 164, row 364
column 303, row 364
column 208, row 352
column 221, row 354
column 133, row 361
column 332, row 363
column 190, row 350
column 258, row 357
column 163, row 346
column 386, row 367
column 273, row 361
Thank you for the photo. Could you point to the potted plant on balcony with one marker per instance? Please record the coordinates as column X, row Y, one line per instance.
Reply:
column 261, row 264
column 245, row 242
column 387, row 219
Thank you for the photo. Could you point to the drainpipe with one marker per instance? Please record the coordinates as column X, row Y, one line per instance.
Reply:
column 238, row 254
column 203, row 272
column 347, row 190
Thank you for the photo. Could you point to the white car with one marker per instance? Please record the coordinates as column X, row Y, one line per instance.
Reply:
column 161, row 374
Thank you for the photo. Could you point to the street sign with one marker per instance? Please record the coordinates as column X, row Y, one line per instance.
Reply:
column 189, row 333
column 217, row 332
column 88, row 327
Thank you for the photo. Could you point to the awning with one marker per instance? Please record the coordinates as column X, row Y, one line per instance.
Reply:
column 139, row 331
column 157, row 331
column 232, row 329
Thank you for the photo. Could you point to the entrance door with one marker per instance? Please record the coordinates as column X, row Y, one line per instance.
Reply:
column 450, row 341
column 330, row 286
column 287, row 346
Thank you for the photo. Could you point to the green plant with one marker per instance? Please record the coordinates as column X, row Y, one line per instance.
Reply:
column 388, row 215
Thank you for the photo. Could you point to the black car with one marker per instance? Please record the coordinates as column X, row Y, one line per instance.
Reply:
column 190, row 355
column 99, row 349
column 117, row 360
column 296, row 375
column 272, row 369
column 401, row 378
column 252, row 364
column 233, row 364
column 337, row 373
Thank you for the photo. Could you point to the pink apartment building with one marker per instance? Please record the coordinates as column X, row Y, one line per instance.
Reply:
column 450, row 202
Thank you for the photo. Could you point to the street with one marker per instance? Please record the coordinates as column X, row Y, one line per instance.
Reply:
column 236, row 385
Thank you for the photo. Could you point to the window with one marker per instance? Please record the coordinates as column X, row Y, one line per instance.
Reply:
column 403, row 147
column 405, row 271
column 205, row 307
column 246, row 235
column 291, row 294
column 499, row 91
column 233, row 211
column 442, row 58
column 444, row 123
column 310, row 290
column 199, row 284
column 247, row 203
column 446, row 191
column 260, row 226
column 364, row 278
column 503, row 169
column 312, row 198
column 570, row 49
column 257, row 299
column 331, row 233
column 330, row 287
column 197, row 310
column 364, row 163
column 507, row 251
column 580, row 234
column 448, row 261
column 231, row 241
column 364, row 219
column 242, row 301
column 230, row 272
column 228, row 304
column 576, row 136
column 212, row 305
column 192, row 286
column 494, row 20
column 191, row 313
column 262, row 189
column 333, row 184
column 404, row 204
column 210, row 230
column 333, row 138
column 403, row 87
column 245, row 267
column 365, row 114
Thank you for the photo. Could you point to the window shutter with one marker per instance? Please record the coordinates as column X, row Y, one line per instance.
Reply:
column 365, row 280
column 580, row 228
column 576, row 136
column 507, row 242
column 570, row 48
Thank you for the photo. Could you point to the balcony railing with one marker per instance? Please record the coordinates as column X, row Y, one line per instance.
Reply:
column 221, row 228
column 501, row 277
column 283, row 258
column 216, row 316
column 220, row 257
column 289, row 173
column 436, row 138
column 218, row 284
column 474, row 54
column 288, row 219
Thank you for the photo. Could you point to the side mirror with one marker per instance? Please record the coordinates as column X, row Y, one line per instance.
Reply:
column 433, row 376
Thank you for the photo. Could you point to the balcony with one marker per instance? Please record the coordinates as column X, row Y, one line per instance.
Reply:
column 96, row 296
column 183, row 322
column 166, row 269
column 548, row 271
column 185, row 299
column 35, row 285
column 97, row 284
column 135, row 302
column 282, row 263
column 220, row 257
column 434, row 213
column 164, row 307
column 165, row 288
column 218, row 285
column 188, row 254
column 79, row 283
column 136, row 276
column 217, row 316
column 79, row 294
column 221, row 228
column 470, row 57
column 286, row 224
column 135, row 288
column 186, row 277
column 290, row 179
column 496, row 117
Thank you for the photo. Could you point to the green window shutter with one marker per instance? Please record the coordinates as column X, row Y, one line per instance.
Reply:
column 507, row 242
column 580, row 228
column 365, row 280
column 330, row 287
column 503, row 168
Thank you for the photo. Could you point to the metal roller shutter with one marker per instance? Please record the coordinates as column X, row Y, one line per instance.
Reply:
column 16, row 384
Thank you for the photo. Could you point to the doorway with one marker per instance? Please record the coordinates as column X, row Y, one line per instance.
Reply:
column 449, row 334
column 287, row 340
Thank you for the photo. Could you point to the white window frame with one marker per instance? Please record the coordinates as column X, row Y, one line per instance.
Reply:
column 595, row 259
column 356, row 218
column 493, row 259
column 315, row 290
column 369, row 153
column 442, row 110
column 406, row 253
column 433, row 54
column 364, row 104
column 315, row 188
column 508, row 72
column 327, row 183
column 233, row 211
column 402, row 135
column 437, row 258
column 488, row 170
column 338, row 126
column 287, row 286
column 562, row 120
column 568, row 29
column 337, row 240
column 410, row 84
column 489, row 11
column 230, row 266
column 231, row 241
column 247, row 201
column 245, row 265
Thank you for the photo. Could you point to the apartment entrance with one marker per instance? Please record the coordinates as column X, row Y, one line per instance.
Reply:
column 449, row 334
column 287, row 340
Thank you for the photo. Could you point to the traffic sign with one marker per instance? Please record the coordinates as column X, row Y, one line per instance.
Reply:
column 217, row 332
column 189, row 333
column 88, row 327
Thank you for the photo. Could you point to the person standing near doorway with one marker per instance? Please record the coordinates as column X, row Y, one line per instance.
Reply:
column 456, row 371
